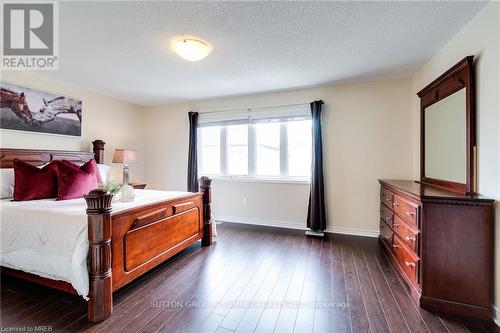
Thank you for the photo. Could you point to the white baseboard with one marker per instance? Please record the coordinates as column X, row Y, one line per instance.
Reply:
column 496, row 315
column 262, row 222
column 296, row 226
column 353, row 231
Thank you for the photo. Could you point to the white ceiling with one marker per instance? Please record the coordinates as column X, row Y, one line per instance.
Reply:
column 122, row 48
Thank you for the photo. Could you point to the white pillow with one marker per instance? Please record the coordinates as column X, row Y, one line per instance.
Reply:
column 6, row 183
column 103, row 171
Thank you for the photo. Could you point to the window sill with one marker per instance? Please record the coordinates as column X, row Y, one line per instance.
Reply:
column 281, row 180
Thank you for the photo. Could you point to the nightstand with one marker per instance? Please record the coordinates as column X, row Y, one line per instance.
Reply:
column 138, row 186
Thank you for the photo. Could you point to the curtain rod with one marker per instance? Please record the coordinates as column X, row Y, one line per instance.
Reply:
column 250, row 109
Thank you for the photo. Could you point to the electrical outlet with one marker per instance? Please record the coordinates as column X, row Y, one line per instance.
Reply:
column 244, row 201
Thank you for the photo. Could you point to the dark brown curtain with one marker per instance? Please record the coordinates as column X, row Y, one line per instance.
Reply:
column 316, row 213
column 192, row 178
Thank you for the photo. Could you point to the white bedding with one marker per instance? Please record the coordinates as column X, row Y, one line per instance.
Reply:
column 49, row 238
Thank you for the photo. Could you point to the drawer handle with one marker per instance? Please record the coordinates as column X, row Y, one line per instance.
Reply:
column 410, row 214
column 395, row 204
column 409, row 263
column 394, row 246
column 411, row 239
column 387, row 218
column 387, row 199
column 395, row 225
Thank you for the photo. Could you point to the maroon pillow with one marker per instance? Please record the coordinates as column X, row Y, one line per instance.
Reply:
column 73, row 181
column 32, row 183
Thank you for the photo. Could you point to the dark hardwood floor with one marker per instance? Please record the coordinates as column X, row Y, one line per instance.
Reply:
column 253, row 279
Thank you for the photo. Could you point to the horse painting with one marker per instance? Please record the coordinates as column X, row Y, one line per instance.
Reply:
column 26, row 109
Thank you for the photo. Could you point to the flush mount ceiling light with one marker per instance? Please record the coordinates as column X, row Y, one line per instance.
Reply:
column 191, row 49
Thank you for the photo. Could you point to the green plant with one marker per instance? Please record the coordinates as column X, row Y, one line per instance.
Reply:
column 112, row 186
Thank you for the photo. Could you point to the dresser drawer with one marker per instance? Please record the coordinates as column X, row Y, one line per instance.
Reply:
column 407, row 235
column 386, row 234
column 386, row 196
column 406, row 209
column 407, row 261
column 386, row 214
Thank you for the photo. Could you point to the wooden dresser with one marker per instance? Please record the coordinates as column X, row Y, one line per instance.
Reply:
column 441, row 243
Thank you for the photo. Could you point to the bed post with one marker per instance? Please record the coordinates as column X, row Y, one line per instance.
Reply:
column 100, row 305
column 205, row 187
column 98, row 148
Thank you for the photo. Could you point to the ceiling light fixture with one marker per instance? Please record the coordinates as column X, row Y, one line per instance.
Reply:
column 192, row 49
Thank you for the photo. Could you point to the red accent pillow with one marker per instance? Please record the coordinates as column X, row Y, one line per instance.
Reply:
column 74, row 181
column 33, row 183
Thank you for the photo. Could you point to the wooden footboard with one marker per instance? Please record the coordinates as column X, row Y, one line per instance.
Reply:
column 166, row 235
column 144, row 237
column 127, row 244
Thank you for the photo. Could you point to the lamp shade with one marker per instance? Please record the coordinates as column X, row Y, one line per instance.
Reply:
column 124, row 156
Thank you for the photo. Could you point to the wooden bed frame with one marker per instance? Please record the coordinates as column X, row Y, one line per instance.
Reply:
column 127, row 244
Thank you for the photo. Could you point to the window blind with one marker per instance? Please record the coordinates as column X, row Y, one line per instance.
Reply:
column 280, row 113
column 223, row 118
column 255, row 115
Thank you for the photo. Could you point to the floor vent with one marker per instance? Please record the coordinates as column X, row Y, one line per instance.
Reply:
column 315, row 233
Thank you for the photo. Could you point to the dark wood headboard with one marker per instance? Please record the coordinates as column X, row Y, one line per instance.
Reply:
column 42, row 156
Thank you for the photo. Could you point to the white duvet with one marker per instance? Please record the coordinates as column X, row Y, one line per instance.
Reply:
column 49, row 238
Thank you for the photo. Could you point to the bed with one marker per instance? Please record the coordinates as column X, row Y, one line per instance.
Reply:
column 93, row 246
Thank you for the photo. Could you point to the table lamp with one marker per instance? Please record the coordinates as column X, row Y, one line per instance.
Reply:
column 125, row 156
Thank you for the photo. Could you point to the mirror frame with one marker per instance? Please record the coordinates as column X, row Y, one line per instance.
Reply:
column 456, row 78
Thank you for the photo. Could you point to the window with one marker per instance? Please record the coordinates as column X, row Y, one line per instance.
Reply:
column 267, row 161
column 209, row 154
column 299, row 148
column 237, row 150
column 255, row 148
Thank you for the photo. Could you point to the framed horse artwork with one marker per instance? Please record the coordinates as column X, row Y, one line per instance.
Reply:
column 25, row 109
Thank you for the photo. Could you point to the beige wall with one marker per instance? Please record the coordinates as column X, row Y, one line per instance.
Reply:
column 367, row 135
column 115, row 122
column 480, row 37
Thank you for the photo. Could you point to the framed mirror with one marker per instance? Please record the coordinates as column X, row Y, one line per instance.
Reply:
column 447, row 123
